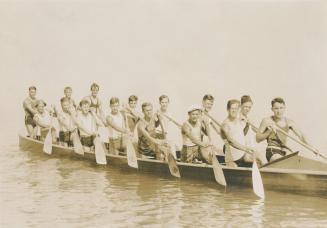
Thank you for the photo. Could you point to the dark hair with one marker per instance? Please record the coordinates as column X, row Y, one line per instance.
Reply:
column 246, row 98
column 132, row 98
column 114, row 100
column 146, row 104
column 94, row 85
column 67, row 88
column 208, row 97
column 64, row 99
column 84, row 102
column 277, row 100
column 31, row 88
column 231, row 102
column 39, row 102
column 163, row 97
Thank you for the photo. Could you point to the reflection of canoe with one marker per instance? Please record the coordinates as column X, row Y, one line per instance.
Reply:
column 303, row 175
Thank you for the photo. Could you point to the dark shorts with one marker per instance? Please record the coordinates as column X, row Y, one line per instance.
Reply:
column 190, row 153
column 148, row 152
column 65, row 136
column 29, row 121
column 242, row 163
column 87, row 141
column 271, row 151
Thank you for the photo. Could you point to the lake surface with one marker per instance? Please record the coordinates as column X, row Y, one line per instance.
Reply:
column 38, row 191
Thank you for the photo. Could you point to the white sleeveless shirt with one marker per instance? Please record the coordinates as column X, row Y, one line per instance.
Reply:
column 87, row 122
column 236, row 131
column 118, row 120
column 195, row 131
column 43, row 118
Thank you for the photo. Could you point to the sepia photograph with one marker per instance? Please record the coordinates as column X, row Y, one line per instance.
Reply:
column 163, row 113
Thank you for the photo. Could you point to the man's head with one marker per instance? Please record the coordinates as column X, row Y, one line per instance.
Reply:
column 246, row 104
column 65, row 104
column 147, row 109
column 85, row 106
column 132, row 101
column 207, row 102
column 278, row 107
column 32, row 92
column 94, row 89
column 233, row 107
column 68, row 91
column 164, row 101
column 114, row 105
column 194, row 113
column 40, row 104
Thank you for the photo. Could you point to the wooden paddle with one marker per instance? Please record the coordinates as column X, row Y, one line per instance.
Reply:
column 257, row 183
column 172, row 164
column 218, row 171
column 130, row 150
column 47, row 146
column 315, row 151
column 100, row 155
column 78, row 147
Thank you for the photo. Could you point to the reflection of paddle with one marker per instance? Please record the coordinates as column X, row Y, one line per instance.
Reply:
column 78, row 147
column 47, row 147
column 256, row 177
column 315, row 151
column 100, row 155
column 131, row 153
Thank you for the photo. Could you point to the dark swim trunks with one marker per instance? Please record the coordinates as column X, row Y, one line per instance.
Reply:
column 271, row 151
column 29, row 121
column 87, row 141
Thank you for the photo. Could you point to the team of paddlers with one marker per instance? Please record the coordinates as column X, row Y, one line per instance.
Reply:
column 151, row 128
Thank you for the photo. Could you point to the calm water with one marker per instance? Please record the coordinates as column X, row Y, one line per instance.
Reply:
column 37, row 191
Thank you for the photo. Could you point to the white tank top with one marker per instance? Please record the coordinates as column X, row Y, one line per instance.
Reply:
column 44, row 118
column 195, row 131
column 118, row 120
column 87, row 122
column 67, row 119
column 236, row 131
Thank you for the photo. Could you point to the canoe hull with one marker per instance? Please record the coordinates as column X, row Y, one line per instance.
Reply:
column 277, row 179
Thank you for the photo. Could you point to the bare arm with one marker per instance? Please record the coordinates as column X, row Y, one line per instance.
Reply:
column 110, row 123
column 164, row 132
column 141, row 128
column 28, row 105
column 232, row 141
column 39, row 122
column 264, row 131
column 187, row 131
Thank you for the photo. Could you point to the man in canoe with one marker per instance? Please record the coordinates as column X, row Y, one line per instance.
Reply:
column 164, row 102
column 207, row 103
column 132, row 114
column 43, row 121
column 87, row 123
column 150, row 142
column 68, row 95
column 66, row 122
column 94, row 101
column 193, row 131
column 268, row 130
column 237, row 153
column 29, row 106
column 116, row 123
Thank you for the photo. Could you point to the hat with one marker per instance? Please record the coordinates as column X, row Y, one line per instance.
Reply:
column 194, row 108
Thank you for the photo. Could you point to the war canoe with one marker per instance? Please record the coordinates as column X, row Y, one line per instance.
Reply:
column 292, row 173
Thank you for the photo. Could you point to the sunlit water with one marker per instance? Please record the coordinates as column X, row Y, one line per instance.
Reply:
column 38, row 191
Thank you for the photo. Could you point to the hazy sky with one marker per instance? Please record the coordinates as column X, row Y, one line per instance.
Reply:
column 182, row 48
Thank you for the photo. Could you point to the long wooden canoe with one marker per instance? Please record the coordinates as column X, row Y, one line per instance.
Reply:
column 292, row 173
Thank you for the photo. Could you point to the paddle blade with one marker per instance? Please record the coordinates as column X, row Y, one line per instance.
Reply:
column 257, row 181
column 131, row 154
column 47, row 147
column 78, row 148
column 100, row 155
column 218, row 171
column 173, row 168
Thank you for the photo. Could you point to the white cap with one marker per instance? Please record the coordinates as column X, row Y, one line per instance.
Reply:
column 193, row 108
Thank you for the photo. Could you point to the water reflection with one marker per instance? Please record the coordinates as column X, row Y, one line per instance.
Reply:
column 41, row 191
